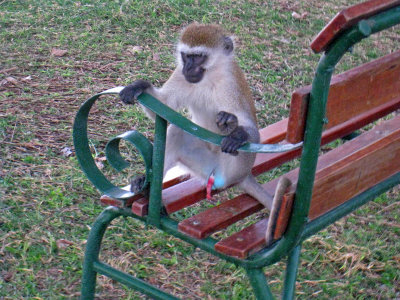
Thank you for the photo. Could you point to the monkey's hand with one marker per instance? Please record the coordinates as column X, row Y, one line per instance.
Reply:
column 130, row 93
column 234, row 141
column 226, row 122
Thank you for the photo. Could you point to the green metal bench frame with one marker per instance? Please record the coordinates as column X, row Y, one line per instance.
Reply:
column 299, row 227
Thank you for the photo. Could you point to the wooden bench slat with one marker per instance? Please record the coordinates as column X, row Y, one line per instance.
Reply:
column 341, row 174
column 347, row 18
column 358, row 172
column 245, row 242
column 252, row 238
column 220, row 217
column 350, row 94
column 106, row 200
column 274, row 133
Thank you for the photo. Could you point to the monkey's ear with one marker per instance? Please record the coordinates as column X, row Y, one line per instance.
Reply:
column 228, row 44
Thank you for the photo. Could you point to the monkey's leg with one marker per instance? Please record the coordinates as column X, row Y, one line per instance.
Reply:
column 226, row 169
column 189, row 151
column 254, row 189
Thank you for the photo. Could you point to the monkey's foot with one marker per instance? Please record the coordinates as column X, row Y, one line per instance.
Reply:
column 226, row 122
column 137, row 184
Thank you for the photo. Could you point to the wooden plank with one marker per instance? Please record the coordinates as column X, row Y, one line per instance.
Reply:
column 176, row 180
column 220, row 217
column 347, row 18
column 252, row 238
column 356, row 173
column 274, row 133
column 106, row 200
column 245, row 242
column 351, row 93
column 174, row 197
column 140, row 207
column 360, row 121
column 283, row 217
column 341, row 174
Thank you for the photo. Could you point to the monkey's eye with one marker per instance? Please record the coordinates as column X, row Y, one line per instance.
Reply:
column 199, row 58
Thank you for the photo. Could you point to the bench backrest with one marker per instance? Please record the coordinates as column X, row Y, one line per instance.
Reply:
column 347, row 18
column 351, row 94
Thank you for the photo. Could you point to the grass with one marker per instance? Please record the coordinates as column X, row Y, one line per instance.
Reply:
column 47, row 205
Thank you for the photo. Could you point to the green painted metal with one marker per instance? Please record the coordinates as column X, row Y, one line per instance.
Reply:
column 299, row 227
column 85, row 158
column 155, row 204
column 92, row 266
column 259, row 283
column 142, row 144
column 132, row 282
column 292, row 266
column 93, row 249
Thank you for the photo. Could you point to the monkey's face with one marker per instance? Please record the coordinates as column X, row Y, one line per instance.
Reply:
column 193, row 69
column 202, row 49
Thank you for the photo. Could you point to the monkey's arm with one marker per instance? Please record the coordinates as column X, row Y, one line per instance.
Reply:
column 167, row 94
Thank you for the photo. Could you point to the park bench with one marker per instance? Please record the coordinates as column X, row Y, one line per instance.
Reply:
column 325, row 186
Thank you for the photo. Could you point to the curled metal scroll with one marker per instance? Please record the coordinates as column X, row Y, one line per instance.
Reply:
column 85, row 158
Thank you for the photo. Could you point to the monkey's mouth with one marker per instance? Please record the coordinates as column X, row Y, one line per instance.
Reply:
column 194, row 77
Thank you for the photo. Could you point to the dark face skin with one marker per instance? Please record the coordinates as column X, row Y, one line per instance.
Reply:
column 192, row 66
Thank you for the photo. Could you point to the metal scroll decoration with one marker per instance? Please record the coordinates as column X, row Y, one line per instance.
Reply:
column 113, row 154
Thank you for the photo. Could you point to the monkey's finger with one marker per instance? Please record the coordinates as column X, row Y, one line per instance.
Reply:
column 230, row 145
column 231, row 119
column 221, row 118
column 232, row 150
column 225, row 118
column 225, row 144
column 127, row 96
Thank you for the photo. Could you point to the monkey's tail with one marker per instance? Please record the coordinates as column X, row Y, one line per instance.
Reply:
column 283, row 185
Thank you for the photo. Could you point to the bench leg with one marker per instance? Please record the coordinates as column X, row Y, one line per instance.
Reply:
column 291, row 274
column 92, row 251
column 259, row 284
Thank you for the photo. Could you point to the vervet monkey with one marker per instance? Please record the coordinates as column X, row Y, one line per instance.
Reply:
column 209, row 83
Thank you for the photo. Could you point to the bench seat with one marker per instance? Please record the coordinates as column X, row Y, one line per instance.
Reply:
column 357, row 106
